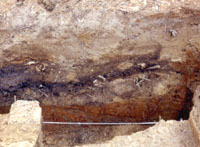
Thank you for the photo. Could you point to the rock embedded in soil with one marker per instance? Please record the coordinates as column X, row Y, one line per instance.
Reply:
column 22, row 126
column 100, row 60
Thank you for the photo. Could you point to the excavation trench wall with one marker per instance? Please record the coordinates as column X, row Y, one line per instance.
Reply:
column 100, row 60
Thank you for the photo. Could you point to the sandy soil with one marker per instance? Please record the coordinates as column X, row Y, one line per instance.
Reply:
column 69, row 136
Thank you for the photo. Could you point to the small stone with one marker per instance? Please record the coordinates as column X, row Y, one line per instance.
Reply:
column 160, row 89
column 173, row 33
column 72, row 76
column 142, row 65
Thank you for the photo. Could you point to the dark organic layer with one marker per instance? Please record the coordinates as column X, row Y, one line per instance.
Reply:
column 28, row 82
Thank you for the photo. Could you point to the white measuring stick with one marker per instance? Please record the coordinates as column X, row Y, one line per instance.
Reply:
column 100, row 123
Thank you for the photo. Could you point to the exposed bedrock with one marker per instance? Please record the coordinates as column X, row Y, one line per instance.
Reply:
column 100, row 60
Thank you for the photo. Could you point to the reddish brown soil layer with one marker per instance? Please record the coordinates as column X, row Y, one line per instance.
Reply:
column 140, row 110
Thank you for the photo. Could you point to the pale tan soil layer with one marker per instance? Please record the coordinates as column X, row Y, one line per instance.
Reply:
column 100, row 60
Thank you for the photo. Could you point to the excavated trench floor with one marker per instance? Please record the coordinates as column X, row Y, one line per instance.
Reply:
column 70, row 135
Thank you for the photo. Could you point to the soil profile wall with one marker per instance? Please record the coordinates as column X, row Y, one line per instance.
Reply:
column 100, row 60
